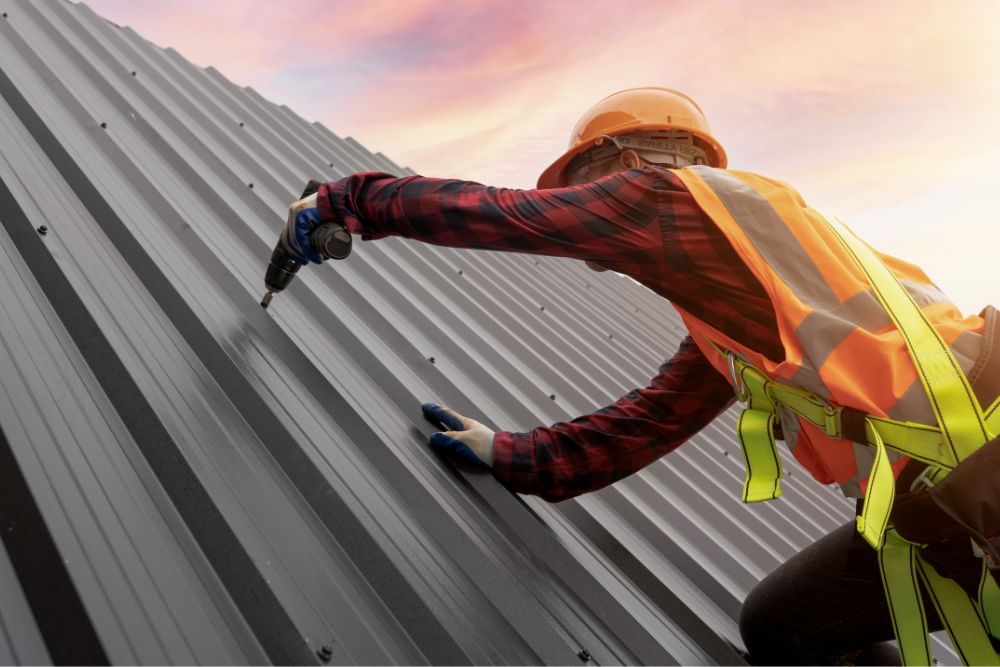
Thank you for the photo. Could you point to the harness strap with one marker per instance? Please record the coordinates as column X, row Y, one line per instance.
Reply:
column 877, row 507
column 989, row 601
column 961, row 618
column 955, row 405
column 898, row 566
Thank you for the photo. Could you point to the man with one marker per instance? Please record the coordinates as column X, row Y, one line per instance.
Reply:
column 781, row 307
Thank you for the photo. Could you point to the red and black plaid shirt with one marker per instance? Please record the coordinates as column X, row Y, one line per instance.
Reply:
column 643, row 223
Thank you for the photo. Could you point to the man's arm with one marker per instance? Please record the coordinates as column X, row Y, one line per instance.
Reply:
column 593, row 451
column 611, row 221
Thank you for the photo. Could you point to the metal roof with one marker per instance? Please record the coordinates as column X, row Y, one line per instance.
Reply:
column 188, row 478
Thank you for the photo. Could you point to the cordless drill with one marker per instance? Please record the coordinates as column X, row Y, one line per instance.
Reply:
column 331, row 239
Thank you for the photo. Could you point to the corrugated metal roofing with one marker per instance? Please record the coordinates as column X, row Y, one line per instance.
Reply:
column 191, row 479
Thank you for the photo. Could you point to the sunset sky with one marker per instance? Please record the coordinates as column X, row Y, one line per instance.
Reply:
column 884, row 114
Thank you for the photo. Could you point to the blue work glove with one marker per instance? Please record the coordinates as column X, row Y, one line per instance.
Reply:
column 303, row 218
column 463, row 439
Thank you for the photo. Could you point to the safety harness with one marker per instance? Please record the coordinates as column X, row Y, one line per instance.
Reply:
column 962, row 429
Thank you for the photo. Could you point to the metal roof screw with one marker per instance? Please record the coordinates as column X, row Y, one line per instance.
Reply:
column 5, row 14
column 611, row 336
column 325, row 653
column 541, row 307
column 430, row 359
column 104, row 126
column 584, row 655
column 552, row 396
column 460, row 272
column 43, row 230
column 241, row 123
column 133, row 72
column 250, row 185
column 331, row 164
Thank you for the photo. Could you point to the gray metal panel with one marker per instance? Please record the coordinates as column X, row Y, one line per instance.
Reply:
column 228, row 485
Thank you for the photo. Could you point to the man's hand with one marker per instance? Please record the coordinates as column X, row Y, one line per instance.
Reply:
column 463, row 439
column 303, row 218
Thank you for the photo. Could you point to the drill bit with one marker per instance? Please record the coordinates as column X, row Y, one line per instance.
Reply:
column 267, row 298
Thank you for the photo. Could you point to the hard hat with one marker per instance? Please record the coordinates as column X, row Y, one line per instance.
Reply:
column 632, row 110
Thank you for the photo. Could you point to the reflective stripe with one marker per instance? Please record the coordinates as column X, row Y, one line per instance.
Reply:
column 822, row 331
column 790, row 427
column 924, row 295
column 807, row 378
column 771, row 237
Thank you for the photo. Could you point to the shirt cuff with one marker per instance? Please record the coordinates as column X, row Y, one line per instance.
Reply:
column 512, row 459
column 337, row 201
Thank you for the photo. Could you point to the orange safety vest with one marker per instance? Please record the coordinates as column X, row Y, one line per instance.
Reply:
column 839, row 341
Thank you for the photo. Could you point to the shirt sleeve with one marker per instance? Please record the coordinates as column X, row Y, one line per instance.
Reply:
column 612, row 221
column 593, row 451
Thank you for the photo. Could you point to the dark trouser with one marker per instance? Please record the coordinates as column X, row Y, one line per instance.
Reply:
column 825, row 606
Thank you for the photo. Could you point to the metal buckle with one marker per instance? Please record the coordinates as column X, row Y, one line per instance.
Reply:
column 738, row 386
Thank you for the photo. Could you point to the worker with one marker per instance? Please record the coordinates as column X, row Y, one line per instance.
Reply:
column 855, row 359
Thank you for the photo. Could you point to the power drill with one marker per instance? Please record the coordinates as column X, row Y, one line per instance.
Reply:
column 331, row 239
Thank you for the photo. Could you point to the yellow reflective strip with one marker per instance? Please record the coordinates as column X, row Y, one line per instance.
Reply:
column 755, row 429
column 989, row 601
column 955, row 406
column 881, row 493
column 964, row 625
column 898, row 566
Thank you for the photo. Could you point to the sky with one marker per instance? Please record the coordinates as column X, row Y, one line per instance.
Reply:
column 881, row 113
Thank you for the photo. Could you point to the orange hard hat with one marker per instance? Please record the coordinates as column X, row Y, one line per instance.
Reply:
column 634, row 110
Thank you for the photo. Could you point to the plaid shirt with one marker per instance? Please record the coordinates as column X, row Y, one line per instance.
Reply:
column 642, row 223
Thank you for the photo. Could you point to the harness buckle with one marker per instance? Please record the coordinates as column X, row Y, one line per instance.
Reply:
column 831, row 420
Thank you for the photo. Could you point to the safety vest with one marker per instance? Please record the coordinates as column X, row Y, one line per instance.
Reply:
column 839, row 342
column 874, row 368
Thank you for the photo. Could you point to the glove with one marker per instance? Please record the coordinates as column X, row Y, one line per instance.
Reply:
column 464, row 439
column 303, row 218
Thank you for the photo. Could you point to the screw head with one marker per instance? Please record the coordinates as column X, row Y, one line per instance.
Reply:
column 241, row 123
column 104, row 126
column 133, row 72
column 430, row 359
column 552, row 396
column 584, row 655
column 250, row 185
column 325, row 653
column 43, row 230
